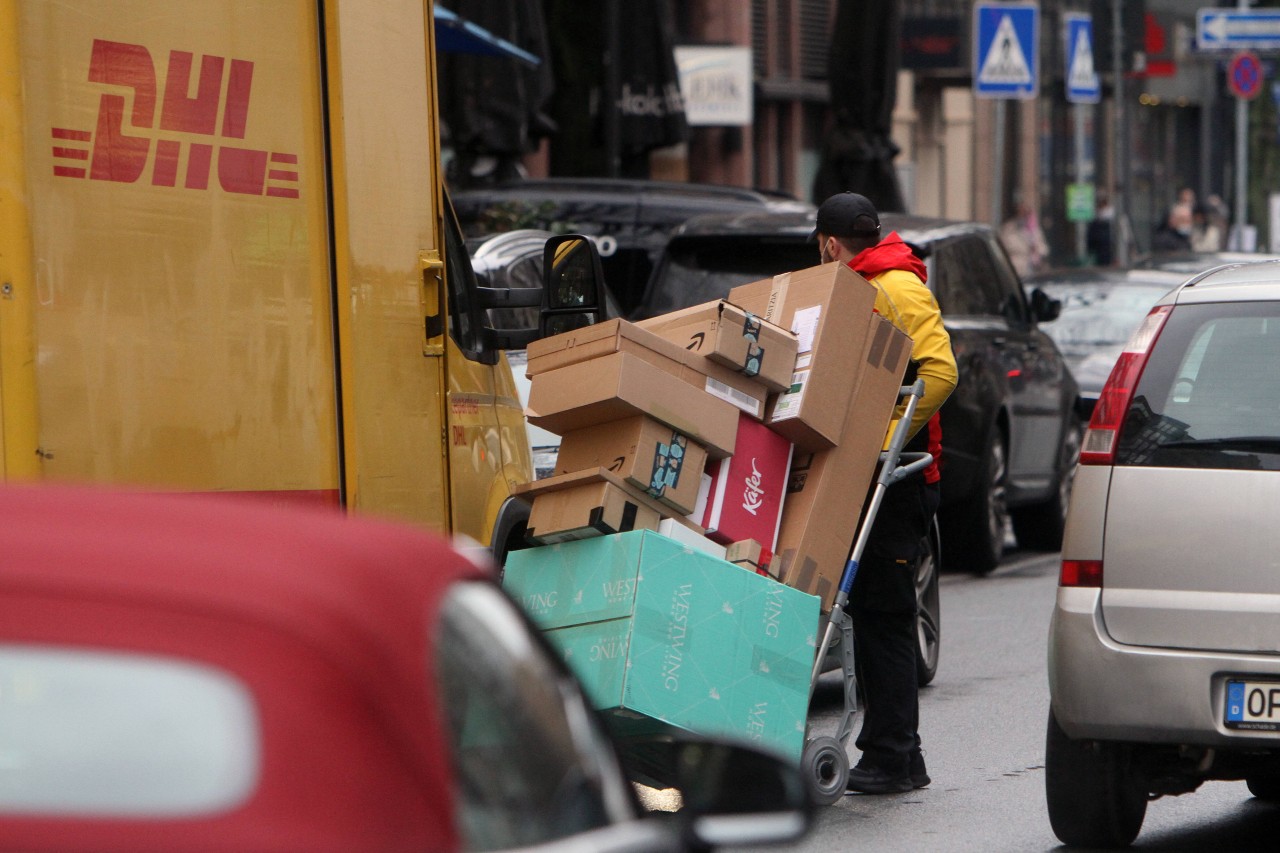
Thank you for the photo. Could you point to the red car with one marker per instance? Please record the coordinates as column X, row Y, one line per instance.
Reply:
column 201, row 673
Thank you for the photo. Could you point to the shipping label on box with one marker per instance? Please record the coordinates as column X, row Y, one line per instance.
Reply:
column 727, row 334
column 826, row 308
column 705, row 646
column 646, row 453
column 621, row 385
column 748, row 489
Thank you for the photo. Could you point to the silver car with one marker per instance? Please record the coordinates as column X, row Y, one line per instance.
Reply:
column 1164, row 649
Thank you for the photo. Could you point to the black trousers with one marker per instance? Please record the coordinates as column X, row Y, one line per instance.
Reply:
column 882, row 605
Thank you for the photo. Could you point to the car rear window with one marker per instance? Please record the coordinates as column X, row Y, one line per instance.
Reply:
column 122, row 735
column 1210, row 394
column 700, row 269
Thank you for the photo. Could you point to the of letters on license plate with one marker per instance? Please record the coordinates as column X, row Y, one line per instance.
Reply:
column 1253, row 705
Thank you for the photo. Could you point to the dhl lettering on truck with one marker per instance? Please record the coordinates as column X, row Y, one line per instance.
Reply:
column 120, row 146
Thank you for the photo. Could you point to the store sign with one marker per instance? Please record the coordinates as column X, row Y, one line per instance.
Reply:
column 716, row 85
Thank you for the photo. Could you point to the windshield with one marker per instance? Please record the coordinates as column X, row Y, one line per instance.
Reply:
column 697, row 270
column 1098, row 315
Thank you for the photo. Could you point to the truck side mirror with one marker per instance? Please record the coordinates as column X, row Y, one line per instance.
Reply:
column 572, row 284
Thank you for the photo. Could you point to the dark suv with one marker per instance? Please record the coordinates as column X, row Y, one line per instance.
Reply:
column 1011, row 431
column 630, row 220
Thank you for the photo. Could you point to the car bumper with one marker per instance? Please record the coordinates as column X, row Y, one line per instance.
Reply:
column 1103, row 690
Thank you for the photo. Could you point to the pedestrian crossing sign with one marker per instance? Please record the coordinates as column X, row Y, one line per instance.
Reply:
column 1083, row 83
column 1006, row 38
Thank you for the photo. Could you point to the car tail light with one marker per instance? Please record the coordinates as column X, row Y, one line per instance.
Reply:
column 1099, row 446
column 1080, row 573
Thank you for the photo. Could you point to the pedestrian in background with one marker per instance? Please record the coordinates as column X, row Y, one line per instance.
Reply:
column 1205, row 236
column 1024, row 240
column 1174, row 233
column 1100, row 235
column 882, row 603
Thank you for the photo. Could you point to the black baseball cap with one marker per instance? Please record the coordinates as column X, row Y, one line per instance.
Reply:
column 847, row 214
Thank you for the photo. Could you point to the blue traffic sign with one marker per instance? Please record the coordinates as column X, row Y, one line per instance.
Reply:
column 1005, row 38
column 1083, row 84
column 1237, row 29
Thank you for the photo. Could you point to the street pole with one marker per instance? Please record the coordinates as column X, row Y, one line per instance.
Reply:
column 1242, row 164
column 997, row 196
column 1120, row 222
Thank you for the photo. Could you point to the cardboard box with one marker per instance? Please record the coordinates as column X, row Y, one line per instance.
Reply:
column 749, row 554
column 827, row 489
column 648, row 454
column 826, row 307
column 676, row 530
column 620, row 336
column 734, row 337
column 622, row 385
column 589, row 509
column 665, row 637
column 563, row 482
column 745, row 499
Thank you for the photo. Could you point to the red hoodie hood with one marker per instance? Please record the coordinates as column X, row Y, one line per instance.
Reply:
column 891, row 253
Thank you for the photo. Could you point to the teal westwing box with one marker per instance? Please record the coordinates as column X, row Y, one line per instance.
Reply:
column 662, row 635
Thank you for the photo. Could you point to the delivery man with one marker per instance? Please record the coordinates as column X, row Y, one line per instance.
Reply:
column 882, row 604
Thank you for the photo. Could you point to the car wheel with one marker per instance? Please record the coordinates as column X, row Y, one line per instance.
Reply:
column 1095, row 795
column 1265, row 787
column 973, row 531
column 1039, row 527
column 928, row 610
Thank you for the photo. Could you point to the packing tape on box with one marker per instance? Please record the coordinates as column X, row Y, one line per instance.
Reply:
column 755, row 352
column 668, row 460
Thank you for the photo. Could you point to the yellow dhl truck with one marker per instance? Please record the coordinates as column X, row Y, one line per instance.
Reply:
column 227, row 263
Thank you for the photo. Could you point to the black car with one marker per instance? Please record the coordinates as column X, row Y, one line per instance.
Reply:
column 1011, row 432
column 630, row 220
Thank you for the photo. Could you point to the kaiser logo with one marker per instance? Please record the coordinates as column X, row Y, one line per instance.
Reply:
column 753, row 494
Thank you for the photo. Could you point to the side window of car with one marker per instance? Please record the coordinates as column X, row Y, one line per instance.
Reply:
column 1013, row 303
column 530, row 761
column 968, row 284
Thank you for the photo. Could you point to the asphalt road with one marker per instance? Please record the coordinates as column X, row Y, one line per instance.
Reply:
column 982, row 723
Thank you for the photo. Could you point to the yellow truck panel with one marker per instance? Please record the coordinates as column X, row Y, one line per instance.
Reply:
column 223, row 261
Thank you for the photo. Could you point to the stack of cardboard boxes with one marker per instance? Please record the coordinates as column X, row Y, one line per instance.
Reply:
column 744, row 431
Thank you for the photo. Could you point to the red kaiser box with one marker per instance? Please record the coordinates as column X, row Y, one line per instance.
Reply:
column 748, row 488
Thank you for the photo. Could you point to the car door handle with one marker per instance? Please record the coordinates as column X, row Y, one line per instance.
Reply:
column 999, row 342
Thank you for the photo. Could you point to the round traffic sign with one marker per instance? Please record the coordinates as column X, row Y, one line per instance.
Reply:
column 1244, row 75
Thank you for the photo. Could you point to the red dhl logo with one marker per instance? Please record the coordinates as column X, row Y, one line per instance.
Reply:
column 115, row 151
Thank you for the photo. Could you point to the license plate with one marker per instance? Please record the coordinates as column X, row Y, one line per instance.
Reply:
column 1253, row 705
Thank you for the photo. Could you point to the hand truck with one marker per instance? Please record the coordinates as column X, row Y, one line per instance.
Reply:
column 825, row 760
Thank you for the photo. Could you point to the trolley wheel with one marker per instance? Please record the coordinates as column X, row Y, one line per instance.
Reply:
column 825, row 766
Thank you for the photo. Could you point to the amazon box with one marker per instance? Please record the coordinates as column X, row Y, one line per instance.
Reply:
column 827, row 488
column 662, row 462
column 738, row 339
column 623, row 385
column 827, row 307
column 620, row 336
column 577, row 505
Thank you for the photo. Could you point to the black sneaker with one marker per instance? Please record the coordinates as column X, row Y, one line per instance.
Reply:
column 872, row 780
column 916, row 772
